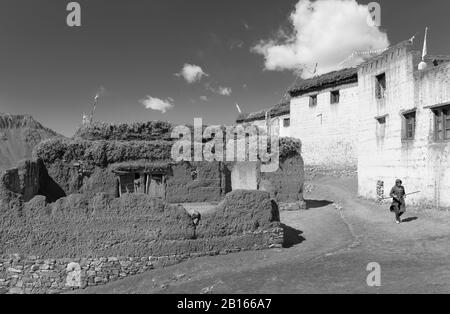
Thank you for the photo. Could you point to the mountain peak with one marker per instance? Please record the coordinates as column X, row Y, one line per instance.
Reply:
column 19, row 134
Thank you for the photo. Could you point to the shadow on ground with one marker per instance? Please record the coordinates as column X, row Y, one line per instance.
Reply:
column 410, row 219
column 291, row 236
column 311, row 204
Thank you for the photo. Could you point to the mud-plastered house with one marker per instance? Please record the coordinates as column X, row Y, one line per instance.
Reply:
column 124, row 159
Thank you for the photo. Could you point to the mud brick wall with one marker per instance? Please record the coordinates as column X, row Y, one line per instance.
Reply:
column 286, row 184
column 111, row 238
column 240, row 211
column 209, row 183
column 22, row 180
column 90, row 182
column 78, row 225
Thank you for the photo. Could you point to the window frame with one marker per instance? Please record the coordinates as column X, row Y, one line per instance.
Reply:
column 441, row 115
column 288, row 122
column 409, row 118
column 380, row 90
column 335, row 97
column 313, row 101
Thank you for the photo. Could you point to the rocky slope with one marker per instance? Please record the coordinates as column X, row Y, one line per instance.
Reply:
column 19, row 134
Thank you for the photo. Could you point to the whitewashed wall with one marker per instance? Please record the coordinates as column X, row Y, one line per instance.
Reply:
column 422, row 164
column 327, row 131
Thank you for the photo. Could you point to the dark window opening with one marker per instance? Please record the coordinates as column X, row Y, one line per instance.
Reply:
column 334, row 97
column 313, row 101
column 286, row 122
column 442, row 123
column 380, row 89
column 409, row 125
column 381, row 127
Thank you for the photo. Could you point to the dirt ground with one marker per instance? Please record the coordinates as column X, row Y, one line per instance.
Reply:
column 328, row 248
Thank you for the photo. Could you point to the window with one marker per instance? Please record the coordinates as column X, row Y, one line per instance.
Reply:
column 334, row 97
column 286, row 122
column 381, row 127
column 380, row 88
column 409, row 125
column 442, row 123
column 313, row 101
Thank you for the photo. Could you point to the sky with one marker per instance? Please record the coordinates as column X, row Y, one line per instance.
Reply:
column 176, row 60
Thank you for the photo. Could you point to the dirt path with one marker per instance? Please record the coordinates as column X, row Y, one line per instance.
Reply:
column 330, row 246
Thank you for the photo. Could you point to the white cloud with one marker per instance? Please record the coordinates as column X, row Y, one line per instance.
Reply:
column 157, row 104
column 221, row 90
column 224, row 91
column 324, row 32
column 191, row 73
column 204, row 98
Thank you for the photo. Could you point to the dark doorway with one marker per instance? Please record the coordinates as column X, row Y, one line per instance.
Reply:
column 156, row 186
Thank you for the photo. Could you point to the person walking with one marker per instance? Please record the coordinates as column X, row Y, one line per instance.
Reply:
column 398, row 205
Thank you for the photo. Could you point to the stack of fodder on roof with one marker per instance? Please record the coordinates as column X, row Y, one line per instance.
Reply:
column 141, row 131
column 102, row 153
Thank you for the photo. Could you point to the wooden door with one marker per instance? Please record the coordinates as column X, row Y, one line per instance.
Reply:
column 156, row 186
column 127, row 183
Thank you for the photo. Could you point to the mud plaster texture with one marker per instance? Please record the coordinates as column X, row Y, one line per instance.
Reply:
column 211, row 182
column 80, row 166
column 286, row 184
column 134, row 228
column 114, row 237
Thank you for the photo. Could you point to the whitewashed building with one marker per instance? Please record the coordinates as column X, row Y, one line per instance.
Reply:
column 404, row 125
column 323, row 114
column 390, row 117
column 278, row 117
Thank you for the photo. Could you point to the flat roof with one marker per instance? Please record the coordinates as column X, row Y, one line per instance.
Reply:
column 276, row 111
column 328, row 80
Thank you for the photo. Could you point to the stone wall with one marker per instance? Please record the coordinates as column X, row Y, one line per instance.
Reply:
column 422, row 163
column 35, row 275
column 328, row 131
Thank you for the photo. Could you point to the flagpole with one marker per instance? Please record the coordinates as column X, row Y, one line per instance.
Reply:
column 425, row 50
